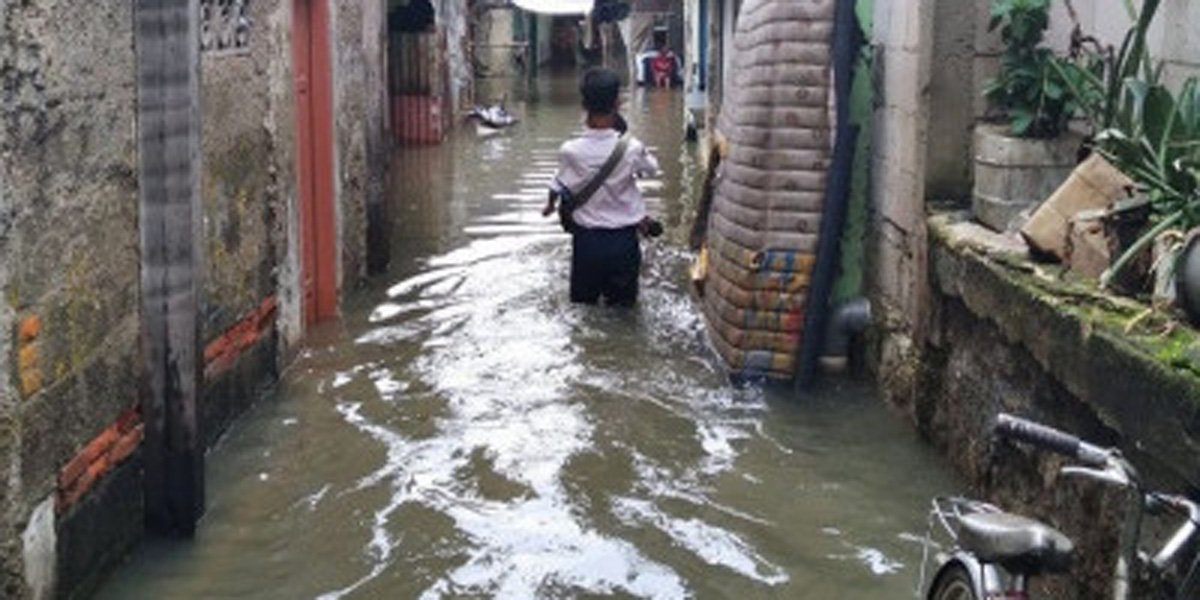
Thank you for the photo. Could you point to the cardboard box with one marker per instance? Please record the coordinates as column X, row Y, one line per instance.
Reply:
column 1094, row 184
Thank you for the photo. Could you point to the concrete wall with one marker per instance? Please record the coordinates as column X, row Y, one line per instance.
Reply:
column 351, row 121
column 70, row 430
column 1174, row 38
column 68, row 238
column 244, row 152
column 494, row 35
column 902, row 40
column 545, row 32
column 280, row 124
column 452, row 17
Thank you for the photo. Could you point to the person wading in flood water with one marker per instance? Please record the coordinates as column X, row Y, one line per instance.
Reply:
column 602, row 207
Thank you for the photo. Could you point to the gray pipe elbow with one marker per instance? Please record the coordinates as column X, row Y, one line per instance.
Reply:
column 849, row 319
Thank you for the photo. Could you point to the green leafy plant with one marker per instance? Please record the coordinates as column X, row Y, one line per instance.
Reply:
column 1158, row 145
column 1098, row 75
column 1147, row 131
column 1032, row 89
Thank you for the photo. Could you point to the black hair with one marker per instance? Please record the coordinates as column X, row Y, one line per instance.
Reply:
column 600, row 88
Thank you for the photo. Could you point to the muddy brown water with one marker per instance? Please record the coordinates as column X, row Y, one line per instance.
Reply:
column 466, row 432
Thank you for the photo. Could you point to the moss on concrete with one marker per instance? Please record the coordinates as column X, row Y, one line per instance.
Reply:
column 1136, row 369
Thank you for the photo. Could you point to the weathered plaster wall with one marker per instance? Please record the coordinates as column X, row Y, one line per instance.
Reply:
column 903, row 39
column 244, row 204
column 9, row 443
column 280, row 123
column 354, row 56
column 948, row 175
column 1174, row 38
column 240, row 194
column 70, row 432
column 494, row 33
column 69, row 235
column 375, row 40
column 453, row 18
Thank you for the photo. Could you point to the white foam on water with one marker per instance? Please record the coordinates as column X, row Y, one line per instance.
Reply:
column 386, row 312
column 416, row 282
column 711, row 544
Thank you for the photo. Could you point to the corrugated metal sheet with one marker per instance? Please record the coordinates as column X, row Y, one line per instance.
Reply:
column 418, row 85
column 767, row 209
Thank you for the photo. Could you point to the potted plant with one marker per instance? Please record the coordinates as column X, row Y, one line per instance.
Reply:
column 1019, row 163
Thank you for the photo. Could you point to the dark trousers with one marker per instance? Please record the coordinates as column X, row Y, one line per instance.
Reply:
column 605, row 263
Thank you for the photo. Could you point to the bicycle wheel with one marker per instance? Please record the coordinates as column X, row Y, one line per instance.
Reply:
column 953, row 583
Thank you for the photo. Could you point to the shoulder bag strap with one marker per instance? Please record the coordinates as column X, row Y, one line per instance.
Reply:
column 606, row 171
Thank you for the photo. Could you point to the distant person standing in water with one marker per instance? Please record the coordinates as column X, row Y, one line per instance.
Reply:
column 663, row 66
column 604, row 209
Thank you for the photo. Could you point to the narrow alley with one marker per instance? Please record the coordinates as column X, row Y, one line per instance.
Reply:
column 287, row 312
column 466, row 432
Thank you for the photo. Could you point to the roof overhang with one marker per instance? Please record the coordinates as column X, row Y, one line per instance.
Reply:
column 555, row 7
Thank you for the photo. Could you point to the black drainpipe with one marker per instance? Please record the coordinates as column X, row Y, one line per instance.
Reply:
column 847, row 41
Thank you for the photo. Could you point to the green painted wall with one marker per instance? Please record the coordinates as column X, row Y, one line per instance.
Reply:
column 850, row 279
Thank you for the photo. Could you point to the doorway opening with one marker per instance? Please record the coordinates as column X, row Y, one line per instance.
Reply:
column 418, row 75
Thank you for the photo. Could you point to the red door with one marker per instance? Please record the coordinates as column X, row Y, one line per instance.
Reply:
column 314, row 139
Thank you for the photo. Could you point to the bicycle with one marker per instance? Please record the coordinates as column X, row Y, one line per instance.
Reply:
column 996, row 555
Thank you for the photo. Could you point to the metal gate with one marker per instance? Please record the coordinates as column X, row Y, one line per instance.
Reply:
column 419, row 87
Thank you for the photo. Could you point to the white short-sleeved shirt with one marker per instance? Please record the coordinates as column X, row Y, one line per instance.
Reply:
column 618, row 203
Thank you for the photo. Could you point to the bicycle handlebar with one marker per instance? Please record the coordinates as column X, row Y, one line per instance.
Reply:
column 1051, row 439
column 1183, row 536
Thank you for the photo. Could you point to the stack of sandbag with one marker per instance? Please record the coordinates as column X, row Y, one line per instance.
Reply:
column 765, row 221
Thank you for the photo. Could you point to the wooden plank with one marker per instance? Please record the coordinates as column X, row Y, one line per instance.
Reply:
column 169, row 220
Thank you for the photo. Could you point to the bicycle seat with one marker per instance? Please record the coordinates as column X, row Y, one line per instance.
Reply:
column 1019, row 544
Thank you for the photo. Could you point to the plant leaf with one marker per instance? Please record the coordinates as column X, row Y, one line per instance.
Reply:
column 1021, row 121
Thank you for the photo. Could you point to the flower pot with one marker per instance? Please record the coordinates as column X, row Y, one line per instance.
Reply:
column 1187, row 277
column 1123, row 230
column 1013, row 174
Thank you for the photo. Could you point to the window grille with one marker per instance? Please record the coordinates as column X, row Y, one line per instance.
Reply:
column 225, row 26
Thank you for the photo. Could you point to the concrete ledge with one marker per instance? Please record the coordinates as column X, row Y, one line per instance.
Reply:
column 1140, row 376
column 1004, row 334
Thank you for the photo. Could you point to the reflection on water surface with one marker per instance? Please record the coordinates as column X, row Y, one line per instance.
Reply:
column 468, row 433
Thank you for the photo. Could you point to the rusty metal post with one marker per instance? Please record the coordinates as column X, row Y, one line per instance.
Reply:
column 168, row 63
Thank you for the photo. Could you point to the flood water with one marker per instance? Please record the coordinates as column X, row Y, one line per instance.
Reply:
column 467, row 433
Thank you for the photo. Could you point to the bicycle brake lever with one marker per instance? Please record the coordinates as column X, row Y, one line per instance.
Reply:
column 1110, row 476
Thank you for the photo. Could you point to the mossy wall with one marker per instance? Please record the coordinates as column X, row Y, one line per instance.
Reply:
column 1008, row 336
